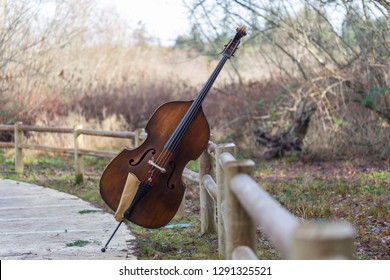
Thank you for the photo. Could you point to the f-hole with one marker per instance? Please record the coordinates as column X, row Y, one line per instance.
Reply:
column 132, row 161
column 171, row 186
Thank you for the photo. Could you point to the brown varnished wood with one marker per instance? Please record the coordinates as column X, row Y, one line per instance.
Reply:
column 160, row 204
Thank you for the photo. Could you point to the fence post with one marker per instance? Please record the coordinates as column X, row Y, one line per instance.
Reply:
column 241, row 230
column 319, row 241
column 220, row 178
column 207, row 205
column 78, row 158
column 244, row 253
column 137, row 137
column 18, row 147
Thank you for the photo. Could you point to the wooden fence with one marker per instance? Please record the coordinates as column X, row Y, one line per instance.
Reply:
column 137, row 136
column 235, row 206
column 232, row 204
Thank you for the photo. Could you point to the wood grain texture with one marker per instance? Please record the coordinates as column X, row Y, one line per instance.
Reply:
column 160, row 204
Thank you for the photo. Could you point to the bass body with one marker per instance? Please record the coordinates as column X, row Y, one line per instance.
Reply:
column 166, row 190
column 143, row 185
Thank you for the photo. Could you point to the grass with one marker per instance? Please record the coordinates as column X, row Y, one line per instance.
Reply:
column 351, row 191
column 88, row 211
column 78, row 243
column 176, row 243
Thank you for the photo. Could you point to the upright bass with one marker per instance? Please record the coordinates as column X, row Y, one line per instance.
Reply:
column 144, row 185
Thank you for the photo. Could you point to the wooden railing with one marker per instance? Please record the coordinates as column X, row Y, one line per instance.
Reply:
column 235, row 206
column 19, row 129
column 232, row 204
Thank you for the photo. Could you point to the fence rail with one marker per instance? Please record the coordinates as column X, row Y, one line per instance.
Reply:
column 77, row 132
column 232, row 203
column 243, row 207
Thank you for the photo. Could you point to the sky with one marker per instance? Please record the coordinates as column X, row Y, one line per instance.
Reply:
column 163, row 19
column 167, row 19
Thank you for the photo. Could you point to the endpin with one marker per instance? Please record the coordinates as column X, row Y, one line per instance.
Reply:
column 112, row 235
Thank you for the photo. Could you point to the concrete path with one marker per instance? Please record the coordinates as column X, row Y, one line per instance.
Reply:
column 41, row 223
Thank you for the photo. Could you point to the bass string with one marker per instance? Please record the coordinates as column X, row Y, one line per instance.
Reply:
column 191, row 113
column 163, row 157
column 162, row 161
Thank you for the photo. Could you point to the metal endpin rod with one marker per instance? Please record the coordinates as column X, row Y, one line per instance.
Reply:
column 112, row 235
column 142, row 190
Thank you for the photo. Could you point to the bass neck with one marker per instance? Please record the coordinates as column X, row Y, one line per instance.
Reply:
column 188, row 118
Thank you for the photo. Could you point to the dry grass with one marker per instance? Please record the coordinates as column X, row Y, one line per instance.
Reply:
column 111, row 87
column 112, row 122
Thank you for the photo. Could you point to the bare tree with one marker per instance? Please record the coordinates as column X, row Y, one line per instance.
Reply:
column 37, row 41
column 336, row 52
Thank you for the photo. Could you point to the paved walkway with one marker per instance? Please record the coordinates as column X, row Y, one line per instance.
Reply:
column 41, row 223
